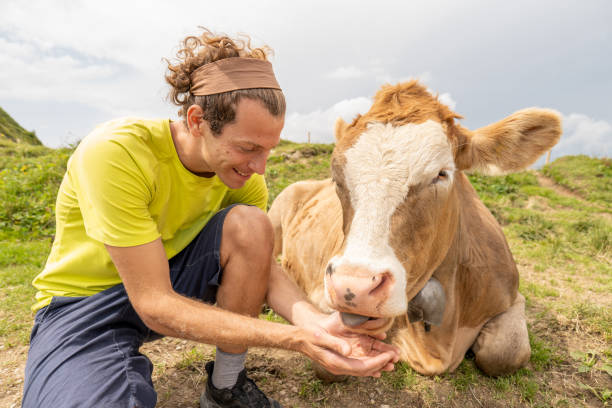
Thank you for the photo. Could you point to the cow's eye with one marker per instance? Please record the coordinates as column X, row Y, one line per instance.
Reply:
column 442, row 176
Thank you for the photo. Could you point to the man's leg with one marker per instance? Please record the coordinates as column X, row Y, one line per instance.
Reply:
column 84, row 353
column 246, row 252
column 229, row 262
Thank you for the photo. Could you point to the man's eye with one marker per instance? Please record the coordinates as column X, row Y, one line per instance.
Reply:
column 246, row 149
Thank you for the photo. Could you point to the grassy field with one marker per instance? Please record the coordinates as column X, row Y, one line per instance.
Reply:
column 558, row 223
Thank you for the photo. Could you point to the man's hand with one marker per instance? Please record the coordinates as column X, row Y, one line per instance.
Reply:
column 324, row 338
column 340, row 351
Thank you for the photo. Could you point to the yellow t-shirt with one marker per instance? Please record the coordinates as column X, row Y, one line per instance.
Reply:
column 125, row 186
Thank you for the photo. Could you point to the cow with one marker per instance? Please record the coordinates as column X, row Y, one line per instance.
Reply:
column 398, row 240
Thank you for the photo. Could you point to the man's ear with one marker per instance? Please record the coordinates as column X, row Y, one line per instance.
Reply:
column 509, row 145
column 195, row 118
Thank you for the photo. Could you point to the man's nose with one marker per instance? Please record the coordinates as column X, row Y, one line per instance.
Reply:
column 258, row 164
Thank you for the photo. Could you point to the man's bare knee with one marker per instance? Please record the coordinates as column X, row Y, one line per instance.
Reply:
column 246, row 251
column 247, row 231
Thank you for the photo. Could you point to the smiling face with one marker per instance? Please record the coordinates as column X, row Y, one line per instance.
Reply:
column 243, row 146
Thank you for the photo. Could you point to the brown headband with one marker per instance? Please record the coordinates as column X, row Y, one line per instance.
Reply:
column 230, row 74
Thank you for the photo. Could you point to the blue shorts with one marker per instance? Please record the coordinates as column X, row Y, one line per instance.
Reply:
column 84, row 350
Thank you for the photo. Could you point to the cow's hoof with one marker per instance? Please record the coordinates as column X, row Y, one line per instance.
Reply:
column 325, row 376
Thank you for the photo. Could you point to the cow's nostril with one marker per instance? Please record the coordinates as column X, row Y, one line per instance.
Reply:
column 330, row 270
column 379, row 282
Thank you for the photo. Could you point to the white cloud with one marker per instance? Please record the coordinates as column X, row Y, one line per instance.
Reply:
column 584, row 135
column 320, row 123
column 581, row 135
column 376, row 71
column 348, row 72
column 448, row 100
column 35, row 72
column 383, row 77
column 89, row 28
column 425, row 78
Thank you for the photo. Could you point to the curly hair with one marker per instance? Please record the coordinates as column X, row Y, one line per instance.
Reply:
column 219, row 109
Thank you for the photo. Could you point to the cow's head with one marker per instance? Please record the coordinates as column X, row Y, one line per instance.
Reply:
column 394, row 170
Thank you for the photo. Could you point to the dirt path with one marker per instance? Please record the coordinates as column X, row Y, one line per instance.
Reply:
column 561, row 190
column 566, row 192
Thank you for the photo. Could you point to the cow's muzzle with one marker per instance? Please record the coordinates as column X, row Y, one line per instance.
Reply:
column 428, row 305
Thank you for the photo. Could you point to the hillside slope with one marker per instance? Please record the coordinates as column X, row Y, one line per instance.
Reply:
column 588, row 177
column 11, row 130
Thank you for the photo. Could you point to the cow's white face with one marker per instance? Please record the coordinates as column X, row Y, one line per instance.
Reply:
column 394, row 183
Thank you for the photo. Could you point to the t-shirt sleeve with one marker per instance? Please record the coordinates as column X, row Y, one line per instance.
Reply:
column 254, row 192
column 113, row 194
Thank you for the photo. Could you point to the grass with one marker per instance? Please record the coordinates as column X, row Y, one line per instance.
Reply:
column 269, row 315
column 19, row 263
column 562, row 244
column 588, row 177
column 539, row 291
column 566, row 241
column 291, row 162
column 543, row 354
column 191, row 358
column 402, row 377
column 311, row 389
column 29, row 180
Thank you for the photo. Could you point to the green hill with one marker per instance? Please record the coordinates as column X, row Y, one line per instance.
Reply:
column 12, row 131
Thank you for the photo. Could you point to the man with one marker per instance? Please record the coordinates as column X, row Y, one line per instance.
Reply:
column 158, row 220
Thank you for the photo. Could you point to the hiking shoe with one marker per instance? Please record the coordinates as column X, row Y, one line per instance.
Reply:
column 244, row 394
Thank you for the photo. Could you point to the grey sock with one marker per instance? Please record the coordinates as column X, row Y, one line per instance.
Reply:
column 227, row 368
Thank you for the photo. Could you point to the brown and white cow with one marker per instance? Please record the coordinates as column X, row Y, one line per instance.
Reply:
column 399, row 235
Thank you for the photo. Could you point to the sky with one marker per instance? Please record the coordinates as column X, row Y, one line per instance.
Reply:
column 67, row 65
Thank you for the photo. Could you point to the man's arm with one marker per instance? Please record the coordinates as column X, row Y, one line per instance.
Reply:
column 145, row 273
column 288, row 300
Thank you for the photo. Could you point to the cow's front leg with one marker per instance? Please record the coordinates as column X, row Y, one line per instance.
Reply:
column 502, row 346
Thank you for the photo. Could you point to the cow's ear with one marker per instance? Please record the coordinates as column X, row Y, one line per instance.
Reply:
column 509, row 145
column 340, row 129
